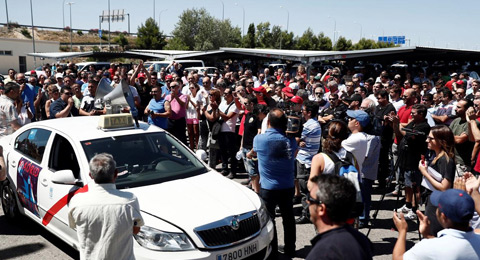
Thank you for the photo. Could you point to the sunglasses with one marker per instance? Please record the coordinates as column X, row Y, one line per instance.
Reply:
column 68, row 93
column 319, row 94
column 312, row 200
column 332, row 99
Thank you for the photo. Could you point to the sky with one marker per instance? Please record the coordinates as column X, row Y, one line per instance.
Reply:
column 435, row 23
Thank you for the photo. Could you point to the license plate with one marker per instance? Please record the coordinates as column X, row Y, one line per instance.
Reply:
column 241, row 253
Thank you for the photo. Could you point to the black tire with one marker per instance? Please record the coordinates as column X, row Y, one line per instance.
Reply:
column 9, row 201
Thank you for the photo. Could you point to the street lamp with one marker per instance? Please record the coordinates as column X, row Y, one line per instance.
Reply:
column 288, row 17
column 361, row 29
column 223, row 10
column 160, row 19
column 33, row 35
column 63, row 12
column 243, row 26
column 153, row 10
column 71, row 28
column 334, row 29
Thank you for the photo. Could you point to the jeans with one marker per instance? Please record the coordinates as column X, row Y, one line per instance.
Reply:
column 284, row 200
column 226, row 141
column 251, row 166
column 367, row 199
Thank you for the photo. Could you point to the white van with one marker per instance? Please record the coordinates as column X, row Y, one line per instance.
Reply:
column 158, row 65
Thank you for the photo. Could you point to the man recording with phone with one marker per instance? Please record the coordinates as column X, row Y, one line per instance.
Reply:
column 412, row 145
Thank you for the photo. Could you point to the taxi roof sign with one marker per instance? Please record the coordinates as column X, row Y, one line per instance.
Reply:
column 116, row 122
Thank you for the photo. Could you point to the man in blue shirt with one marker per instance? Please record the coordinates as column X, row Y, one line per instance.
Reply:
column 276, row 154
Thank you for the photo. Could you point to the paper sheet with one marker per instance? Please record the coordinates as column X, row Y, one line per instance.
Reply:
column 436, row 175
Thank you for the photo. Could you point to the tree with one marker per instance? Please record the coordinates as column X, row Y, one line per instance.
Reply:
column 308, row 41
column 343, row 44
column 365, row 44
column 288, row 40
column 149, row 36
column 249, row 39
column 198, row 30
column 121, row 40
column 263, row 36
column 324, row 42
column 176, row 44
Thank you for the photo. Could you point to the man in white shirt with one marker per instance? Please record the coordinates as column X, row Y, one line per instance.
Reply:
column 8, row 113
column 105, row 218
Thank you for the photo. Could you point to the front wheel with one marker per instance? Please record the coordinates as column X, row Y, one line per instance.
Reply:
column 9, row 201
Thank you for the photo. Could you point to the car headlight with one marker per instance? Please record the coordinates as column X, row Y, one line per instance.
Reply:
column 155, row 239
column 263, row 214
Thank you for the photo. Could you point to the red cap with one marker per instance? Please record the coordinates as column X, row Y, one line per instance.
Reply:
column 297, row 100
column 141, row 75
column 33, row 72
column 288, row 91
column 460, row 82
column 260, row 89
column 168, row 77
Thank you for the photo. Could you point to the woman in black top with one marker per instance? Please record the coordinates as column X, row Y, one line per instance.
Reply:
column 442, row 142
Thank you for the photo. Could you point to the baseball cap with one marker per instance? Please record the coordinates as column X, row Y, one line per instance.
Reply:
column 287, row 91
column 317, row 78
column 260, row 89
column 33, row 72
column 168, row 77
column 454, row 75
column 354, row 97
column 457, row 205
column 59, row 76
column 293, row 85
column 297, row 100
column 360, row 115
column 397, row 76
column 141, row 75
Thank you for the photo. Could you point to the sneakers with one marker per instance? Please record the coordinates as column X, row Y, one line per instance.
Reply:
column 408, row 214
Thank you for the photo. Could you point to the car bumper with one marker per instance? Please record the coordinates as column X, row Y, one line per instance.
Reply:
column 261, row 242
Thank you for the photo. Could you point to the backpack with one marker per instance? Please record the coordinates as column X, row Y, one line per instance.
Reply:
column 345, row 168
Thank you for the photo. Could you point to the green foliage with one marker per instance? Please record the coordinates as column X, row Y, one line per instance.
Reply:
column 95, row 48
column 343, row 44
column 249, row 39
column 121, row 40
column 149, row 36
column 65, row 48
column 198, row 30
column 25, row 32
column 79, row 32
column 324, row 42
column 308, row 41
column 263, row 36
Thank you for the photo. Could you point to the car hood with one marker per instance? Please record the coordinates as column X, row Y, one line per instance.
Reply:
column 195, row 201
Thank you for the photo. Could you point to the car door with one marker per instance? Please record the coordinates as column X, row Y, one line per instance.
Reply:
column 25, row 167
column 54, row 197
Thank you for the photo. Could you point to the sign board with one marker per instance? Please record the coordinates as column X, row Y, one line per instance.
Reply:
column 392, row 39
column 100, row 33
column 113, row 15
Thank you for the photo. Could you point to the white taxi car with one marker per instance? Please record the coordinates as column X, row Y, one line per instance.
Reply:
column 190, row 211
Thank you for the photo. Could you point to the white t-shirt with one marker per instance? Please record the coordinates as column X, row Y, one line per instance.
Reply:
column 229, row 125
column 357, row 144
column 329, row 165
column 8, row 113
column 191, row 110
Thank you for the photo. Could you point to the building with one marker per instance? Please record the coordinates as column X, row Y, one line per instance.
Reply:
column 13, row 54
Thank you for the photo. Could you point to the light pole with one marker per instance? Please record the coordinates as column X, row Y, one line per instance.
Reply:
column 223, row 10
column 63, row 13
column 109, row 19
column 288, row 16
column 361, row 29
column 334, row 29
column 243, row 26
column 33, row 35
column 153, row 10
column 160, row 19
column 71, row 28
column 6, row 9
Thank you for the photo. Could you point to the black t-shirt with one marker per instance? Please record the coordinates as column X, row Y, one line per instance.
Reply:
column 416, row 145
column 341, row 243
column 446, row 169
column 250, row 130
column 380, row 113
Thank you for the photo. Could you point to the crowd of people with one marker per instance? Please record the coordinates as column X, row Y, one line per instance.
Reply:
column 417, row 130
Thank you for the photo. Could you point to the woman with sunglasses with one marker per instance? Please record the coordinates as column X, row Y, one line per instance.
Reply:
column 441, row 141
column 53, row 95
column 195, row 100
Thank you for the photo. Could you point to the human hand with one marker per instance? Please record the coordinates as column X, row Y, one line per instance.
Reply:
column 459, row 184
column 400, row 222
column 471, row 183
column 423, row 167
column 70, row 101
column 302, row 144
column 424, row 224
column 471, row 114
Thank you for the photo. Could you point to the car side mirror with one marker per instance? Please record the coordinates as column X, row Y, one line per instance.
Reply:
column 64, row 177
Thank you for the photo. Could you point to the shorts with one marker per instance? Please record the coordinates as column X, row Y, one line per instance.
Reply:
column 251, row 166
column 192, row 121
column 413, row 176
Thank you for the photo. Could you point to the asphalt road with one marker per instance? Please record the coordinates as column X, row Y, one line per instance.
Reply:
column 24, row 239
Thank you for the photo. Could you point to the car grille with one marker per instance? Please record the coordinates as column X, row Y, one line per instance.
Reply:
column 225, row 235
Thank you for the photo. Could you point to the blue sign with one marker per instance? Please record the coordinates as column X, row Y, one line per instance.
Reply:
column 392, row 39
column 100, row 33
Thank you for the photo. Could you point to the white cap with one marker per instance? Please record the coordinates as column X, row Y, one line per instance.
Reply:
column 59, row 75
column 293, row 85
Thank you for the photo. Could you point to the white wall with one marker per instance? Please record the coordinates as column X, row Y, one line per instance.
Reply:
column 20, row 47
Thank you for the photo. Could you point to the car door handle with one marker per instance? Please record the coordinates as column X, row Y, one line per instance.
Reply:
column 44, row 182
column 13, row 164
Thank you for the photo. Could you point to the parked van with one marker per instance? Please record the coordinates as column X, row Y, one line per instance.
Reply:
column 158, row 65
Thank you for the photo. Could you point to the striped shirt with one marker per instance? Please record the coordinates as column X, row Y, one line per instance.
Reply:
column 311, row 136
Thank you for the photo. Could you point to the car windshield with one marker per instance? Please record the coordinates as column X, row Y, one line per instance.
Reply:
column 145, row 159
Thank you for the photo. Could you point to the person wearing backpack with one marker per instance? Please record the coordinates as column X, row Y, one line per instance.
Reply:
column 356, row 143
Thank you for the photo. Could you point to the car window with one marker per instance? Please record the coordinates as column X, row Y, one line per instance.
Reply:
column 145, row 159
column 32, row 142
column 63, row 157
